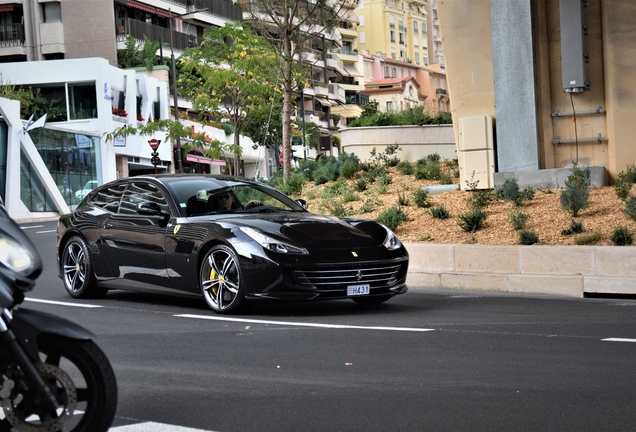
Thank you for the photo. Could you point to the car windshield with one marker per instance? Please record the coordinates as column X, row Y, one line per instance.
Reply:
column 199, row 196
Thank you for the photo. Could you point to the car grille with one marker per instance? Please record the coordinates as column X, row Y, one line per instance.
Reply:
column 339, row 277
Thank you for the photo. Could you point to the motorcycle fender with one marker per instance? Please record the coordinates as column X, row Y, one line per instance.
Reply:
column 28, row 324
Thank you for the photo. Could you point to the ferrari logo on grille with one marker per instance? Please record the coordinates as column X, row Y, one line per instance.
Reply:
column 354, row 254
column 176, row 229
column 358, row 275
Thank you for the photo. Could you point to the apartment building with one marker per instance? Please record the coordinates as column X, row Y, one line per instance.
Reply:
column 68, row 29
column 401, row 30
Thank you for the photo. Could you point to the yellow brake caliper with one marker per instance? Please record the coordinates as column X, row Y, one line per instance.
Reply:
column 215, row 288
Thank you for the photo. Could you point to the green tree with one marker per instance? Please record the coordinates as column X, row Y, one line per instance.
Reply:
column 228, row 75
column 138, row 54
column 290, row 27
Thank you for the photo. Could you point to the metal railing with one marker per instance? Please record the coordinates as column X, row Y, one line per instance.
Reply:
column 11, row 35
column 137, row 29
column 223, row 8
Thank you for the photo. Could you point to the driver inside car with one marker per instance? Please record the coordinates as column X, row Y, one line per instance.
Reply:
column 225, row 203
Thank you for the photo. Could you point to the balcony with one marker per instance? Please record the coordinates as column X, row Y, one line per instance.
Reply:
column 137, row 29
column 441, row 91
column 222, row 8
column 11, row 35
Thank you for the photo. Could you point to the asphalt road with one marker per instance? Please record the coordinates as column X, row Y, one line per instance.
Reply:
column 429, row 360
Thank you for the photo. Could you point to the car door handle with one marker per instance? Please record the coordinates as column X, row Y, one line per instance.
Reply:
column 108, row 226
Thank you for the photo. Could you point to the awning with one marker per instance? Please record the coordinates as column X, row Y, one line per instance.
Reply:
column 6, row 8
column 204, row 160
column 146, row 8
column 353, row 71
column 348, row 15
column 324, row 102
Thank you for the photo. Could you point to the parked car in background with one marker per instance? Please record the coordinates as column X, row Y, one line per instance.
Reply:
column 229, row 240
column 89, row 186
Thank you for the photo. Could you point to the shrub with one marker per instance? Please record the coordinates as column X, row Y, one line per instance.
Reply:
column 384, row 179
column 392, row 217
column 403, row 200
column 578, row 178
column 228, row 128
column 293, row 185
column 630, row 207
column 528, row 237
column 575, row 228
column 405, row 168
column 518, row 219
column 367, row 207
column 510, row 191
column 472, row 220
column 631, row 173
column 445, row 178
column 428, row 171
column 479, row 198
column 589, row 239
column 350, row 196
column 622, row 186
column 621, row 236
column 439, row 212
column 362, row 184
column 421, row 198
column 349, row 169
column 574, row 199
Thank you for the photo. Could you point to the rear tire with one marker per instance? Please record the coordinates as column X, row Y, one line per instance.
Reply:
column 77, row 271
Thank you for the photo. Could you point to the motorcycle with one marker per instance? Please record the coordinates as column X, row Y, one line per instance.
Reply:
column 53, row 377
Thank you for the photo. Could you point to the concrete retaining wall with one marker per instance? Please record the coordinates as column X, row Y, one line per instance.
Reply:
column 415, row 141
column 559, row 270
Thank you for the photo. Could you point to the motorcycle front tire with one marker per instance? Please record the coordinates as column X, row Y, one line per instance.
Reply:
column 93, row 392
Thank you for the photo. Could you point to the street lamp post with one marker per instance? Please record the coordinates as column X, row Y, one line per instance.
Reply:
column 179, row 157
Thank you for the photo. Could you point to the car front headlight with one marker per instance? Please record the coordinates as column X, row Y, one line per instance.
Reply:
column 15, row 256
column 272, row 244
column 391, row 242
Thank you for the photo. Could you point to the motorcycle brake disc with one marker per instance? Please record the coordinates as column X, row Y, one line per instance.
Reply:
column 28, row 422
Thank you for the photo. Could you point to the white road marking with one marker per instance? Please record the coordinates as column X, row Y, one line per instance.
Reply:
column 154, row 427
column 32, row 226
column 301, row 324
column 618, row 340
column 62, row 303
column 44, row 232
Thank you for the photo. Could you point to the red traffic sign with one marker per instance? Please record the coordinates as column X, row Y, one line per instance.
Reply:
column 154, row 143
column 281, row 159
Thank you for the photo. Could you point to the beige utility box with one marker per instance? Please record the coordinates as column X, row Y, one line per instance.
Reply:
column 476, row 153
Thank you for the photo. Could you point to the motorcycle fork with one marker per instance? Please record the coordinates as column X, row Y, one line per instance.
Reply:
column 31, row 374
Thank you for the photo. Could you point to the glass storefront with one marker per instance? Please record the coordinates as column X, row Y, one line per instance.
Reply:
column 73, row 161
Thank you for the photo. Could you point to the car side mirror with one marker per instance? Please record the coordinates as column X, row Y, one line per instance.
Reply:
column 148, row 208
column 301, row 202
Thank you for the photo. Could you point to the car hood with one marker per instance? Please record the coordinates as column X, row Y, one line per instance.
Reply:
column 316, row 231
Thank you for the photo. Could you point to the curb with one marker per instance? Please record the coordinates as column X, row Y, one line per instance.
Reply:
column 571, row 271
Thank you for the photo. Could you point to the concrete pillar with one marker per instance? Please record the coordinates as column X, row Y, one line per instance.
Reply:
column 515, row 101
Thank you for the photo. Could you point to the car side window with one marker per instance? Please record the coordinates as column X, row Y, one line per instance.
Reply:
column 109, row 197
column 142, row 192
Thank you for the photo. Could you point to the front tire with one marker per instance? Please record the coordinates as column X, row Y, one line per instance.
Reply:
column 220, row 277
column 83, row 382
column 77, row 271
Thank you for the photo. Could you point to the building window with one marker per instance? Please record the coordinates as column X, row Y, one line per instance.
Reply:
column 363, row 37
column 391, row 21
column 416, row 42
column 52, row 12
column 392, row 37
column 425, row 59
column 393, row 54
column 386, row 72
column 423, row 29
column 417, row 58
column 361, row 20
column 389, row 106
column 415, row 27
column 401, row 38
column 82, row 101
column 394, row 72
column 360, row 4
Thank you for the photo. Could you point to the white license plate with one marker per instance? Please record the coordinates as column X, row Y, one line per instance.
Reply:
column 354, row 290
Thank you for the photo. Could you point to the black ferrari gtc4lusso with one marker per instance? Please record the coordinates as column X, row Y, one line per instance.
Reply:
column 228, row 239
